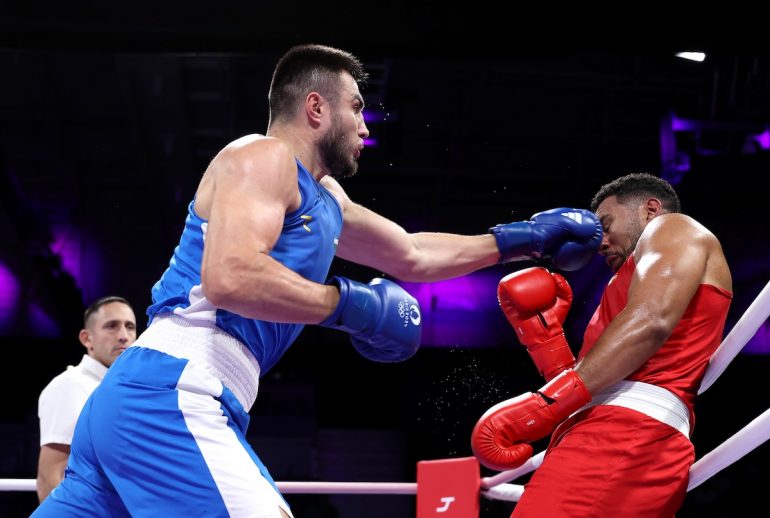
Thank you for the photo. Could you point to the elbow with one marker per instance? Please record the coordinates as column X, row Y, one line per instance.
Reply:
column 218, row 287
column 411, row 269
column 649, row 323
column 658, row 329
column 41, row 491
column 410, row 274
column 44, row 485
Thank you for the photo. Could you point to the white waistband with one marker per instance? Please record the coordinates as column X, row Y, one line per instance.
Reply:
column 206, row 346
column 650, row 400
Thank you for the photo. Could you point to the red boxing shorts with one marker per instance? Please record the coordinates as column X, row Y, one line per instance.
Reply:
column 610, row 461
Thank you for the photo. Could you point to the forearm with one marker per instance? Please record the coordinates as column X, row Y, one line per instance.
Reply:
column 369, row 239
column 45, row 485
column 629, row 341
column 264, row 289
column 48, row 478
column 50, row 467
column 438, row 256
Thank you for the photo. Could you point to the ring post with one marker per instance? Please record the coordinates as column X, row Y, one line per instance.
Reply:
column 448, row 488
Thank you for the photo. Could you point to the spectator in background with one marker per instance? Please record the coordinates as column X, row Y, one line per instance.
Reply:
column 109, row 327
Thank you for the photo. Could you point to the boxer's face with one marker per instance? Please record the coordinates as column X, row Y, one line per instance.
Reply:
column 623, row 225
column 342, row 144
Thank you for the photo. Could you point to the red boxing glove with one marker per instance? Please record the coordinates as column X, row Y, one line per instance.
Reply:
column 500, row 438
column 536, row 302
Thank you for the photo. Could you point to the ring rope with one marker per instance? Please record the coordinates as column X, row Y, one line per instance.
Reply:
column 737, row 338
column 339, row 488
column 495, row 487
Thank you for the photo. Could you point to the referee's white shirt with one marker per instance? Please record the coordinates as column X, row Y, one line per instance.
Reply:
column 63, row 398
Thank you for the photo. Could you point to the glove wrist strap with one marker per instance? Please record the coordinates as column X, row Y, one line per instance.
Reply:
column 514, row 241
column 568, row 393
column 333, row 320
column 353, row 312
column 552, row 356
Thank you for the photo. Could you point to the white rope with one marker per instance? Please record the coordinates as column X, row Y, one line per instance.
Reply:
column 505, row 492
column 742, row 442
column 745, row 440
column 739, row 335
column 506, row 476
column 339, row 488
column 18, row 484
column 349, row 488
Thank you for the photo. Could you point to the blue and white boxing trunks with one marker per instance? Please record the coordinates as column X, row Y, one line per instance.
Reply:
column 164, row 433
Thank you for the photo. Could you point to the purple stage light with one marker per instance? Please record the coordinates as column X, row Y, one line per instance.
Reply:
column 81, row 258
column 42, row 323
column 9, row 298
column 374, row 115
column 760, row 342
column 674, row 162
column 763, row 139
column 679, row 124
column 66, row 245
column 461, row 312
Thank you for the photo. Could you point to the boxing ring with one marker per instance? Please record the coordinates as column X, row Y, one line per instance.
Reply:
column 451, row 487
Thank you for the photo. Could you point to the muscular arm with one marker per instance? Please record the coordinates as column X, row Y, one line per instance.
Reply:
column 252, row 184
column 370, row 239
column 671, row 258
column 50, row 468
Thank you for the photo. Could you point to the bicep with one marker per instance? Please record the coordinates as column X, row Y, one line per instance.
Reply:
column 668, row 271
column 669, row 267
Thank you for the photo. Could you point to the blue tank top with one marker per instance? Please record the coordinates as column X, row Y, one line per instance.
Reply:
column 307, row 245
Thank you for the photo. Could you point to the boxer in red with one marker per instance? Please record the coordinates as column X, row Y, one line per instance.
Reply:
column 621, row 417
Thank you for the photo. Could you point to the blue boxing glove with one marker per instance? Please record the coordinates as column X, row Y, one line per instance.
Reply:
column 569, row 237
column 384, row 321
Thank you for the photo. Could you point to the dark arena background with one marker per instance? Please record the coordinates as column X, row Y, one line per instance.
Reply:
column 111, row 111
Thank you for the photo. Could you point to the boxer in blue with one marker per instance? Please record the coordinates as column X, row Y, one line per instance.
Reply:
column 164, row 434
